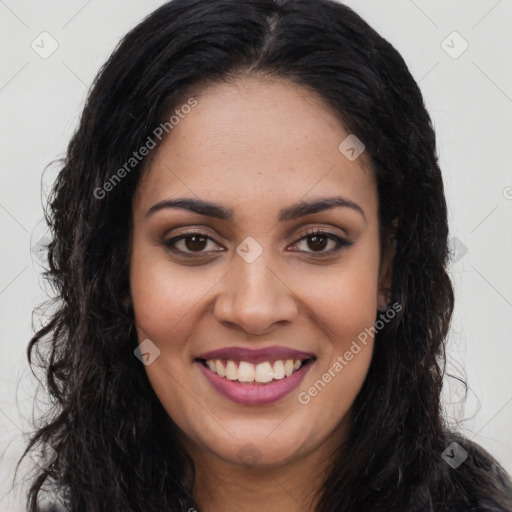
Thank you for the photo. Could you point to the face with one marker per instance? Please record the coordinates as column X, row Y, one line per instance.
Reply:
column 264, row 274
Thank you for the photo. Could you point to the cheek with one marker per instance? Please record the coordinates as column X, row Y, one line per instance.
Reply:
column 347, row 298
column 348, row 312
column 348, row 308
column 163, row 300
column 352, row 306
column 164, row 294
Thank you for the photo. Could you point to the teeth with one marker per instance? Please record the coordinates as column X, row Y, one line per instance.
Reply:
column 278, row 370
column 231, row 370
column 221, row 371
column 263, row 372
column 244, row 371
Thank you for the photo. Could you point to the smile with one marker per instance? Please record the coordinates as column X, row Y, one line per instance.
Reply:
column 247, row 383
column 247, row 372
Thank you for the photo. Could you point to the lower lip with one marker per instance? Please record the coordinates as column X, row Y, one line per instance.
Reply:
column 255, row 394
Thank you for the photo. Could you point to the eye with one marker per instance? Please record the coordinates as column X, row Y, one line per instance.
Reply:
column 191, row 242
column 194, row 243
column 319, row 239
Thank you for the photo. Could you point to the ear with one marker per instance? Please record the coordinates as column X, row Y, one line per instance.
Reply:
column 386, row 274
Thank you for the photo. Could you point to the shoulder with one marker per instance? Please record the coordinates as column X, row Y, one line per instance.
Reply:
column 473, row 479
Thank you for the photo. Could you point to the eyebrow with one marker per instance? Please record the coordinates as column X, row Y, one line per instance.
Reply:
column 300, row 209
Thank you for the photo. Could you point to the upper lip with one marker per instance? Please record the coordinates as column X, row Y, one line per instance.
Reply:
column 253, row 355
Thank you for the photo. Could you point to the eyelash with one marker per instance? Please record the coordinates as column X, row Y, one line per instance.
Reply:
column 341, row 242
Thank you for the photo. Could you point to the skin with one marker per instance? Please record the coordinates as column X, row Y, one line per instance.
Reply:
column 256, row 146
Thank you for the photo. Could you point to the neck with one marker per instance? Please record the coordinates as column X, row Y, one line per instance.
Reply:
column 231, row 488
column 293, row 486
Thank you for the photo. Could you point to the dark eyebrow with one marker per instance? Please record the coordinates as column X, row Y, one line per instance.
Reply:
column 216, row 211
column 194, row 205
column 303, row 208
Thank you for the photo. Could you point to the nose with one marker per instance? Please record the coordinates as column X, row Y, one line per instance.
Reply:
column 254, row 298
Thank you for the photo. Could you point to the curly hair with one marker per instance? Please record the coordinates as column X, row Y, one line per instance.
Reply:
column 117, row 447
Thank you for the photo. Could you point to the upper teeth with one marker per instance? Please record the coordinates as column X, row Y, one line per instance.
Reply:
column 244, row 371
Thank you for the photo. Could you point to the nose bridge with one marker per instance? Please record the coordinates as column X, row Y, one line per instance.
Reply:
column 253, row 296
column 254, row 277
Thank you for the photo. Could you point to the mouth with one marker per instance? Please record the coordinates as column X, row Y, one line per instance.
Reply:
column 246, row 372
column 255, row 381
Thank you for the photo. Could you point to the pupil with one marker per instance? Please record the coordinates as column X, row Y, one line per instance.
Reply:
column 315, row 239
column 191, row 240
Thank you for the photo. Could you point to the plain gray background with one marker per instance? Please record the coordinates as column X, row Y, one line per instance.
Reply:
column 468, row 92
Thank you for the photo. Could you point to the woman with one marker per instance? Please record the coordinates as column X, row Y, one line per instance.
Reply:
column 249, row 248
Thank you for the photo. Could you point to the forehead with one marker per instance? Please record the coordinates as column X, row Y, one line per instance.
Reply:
column 259, row 140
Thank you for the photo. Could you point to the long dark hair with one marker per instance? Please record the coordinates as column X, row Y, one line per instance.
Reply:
column 115, row 443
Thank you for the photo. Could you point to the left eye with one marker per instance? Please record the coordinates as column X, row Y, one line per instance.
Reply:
column 320, row 239
column 196, row 242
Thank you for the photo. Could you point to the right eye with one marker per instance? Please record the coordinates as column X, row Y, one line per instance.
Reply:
column 192, row 243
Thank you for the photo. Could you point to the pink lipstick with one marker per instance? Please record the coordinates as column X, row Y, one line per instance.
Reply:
column 255, row 376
